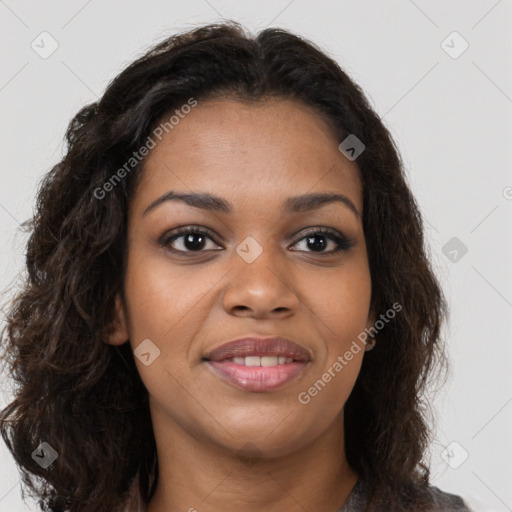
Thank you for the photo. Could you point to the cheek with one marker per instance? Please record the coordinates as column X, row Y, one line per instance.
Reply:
column 340, row 298
column 163, row 301
column 161, row 309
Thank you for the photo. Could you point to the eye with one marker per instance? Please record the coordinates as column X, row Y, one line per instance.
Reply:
column 318, row 239
column 189, row 239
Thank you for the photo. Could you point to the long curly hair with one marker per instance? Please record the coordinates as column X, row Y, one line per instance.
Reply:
column 83, row 396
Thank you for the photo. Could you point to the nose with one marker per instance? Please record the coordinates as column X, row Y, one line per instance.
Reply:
column 261, row 288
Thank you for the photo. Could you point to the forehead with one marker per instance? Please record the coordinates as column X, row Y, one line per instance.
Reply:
column 245, row 150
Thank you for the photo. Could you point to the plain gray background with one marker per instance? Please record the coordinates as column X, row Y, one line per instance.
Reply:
column 448, row 107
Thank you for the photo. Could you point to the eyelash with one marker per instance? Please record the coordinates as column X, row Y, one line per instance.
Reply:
column 342, row 243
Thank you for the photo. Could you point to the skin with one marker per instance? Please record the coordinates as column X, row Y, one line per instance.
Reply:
column 255, row 156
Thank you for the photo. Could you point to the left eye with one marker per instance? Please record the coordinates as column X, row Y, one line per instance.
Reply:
column 317, row 241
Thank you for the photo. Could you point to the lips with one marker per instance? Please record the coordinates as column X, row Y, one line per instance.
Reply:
column 258, row 364
column 262, row 347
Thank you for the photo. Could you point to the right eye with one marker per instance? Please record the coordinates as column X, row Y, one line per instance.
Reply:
column 189, row 238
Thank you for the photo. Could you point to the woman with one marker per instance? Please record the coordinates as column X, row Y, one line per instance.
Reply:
column 229, row 304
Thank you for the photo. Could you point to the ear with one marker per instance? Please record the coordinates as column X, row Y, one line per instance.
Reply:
column 371, row 320
column 117, row 332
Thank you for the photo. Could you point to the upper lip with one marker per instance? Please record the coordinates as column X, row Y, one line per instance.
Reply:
column 255, row 346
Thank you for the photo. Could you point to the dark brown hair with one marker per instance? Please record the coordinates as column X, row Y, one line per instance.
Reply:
column 85, row 397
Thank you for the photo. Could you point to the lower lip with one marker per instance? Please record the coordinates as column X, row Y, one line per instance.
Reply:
column 257, row 378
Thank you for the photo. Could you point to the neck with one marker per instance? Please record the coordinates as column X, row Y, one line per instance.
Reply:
column 199, row 475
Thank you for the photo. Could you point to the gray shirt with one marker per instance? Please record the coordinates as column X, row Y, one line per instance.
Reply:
column 441, row 501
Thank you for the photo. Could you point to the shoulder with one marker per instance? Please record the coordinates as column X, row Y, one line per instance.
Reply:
column 427, row 498
column 441, row 500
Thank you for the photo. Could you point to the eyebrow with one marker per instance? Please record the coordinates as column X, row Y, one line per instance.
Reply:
column 297, row 204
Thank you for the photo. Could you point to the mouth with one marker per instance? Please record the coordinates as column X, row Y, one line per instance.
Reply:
column 258, row 364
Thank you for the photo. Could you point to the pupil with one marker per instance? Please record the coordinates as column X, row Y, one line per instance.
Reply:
column 189, row 244
column 320, row 245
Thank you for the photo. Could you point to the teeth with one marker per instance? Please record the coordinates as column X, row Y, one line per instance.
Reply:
column 268, row 360
column 262, row 360
column 253, row 361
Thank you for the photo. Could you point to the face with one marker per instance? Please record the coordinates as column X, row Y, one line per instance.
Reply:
column 255, row 270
